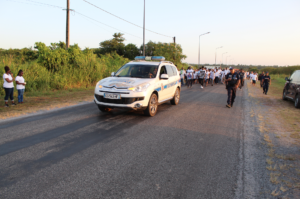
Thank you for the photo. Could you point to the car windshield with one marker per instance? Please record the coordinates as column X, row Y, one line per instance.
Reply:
column 137, row 70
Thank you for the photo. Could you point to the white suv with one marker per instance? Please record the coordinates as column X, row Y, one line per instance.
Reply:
column 140, row 85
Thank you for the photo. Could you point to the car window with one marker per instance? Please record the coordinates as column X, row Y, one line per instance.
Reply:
column 137, row 71
column 175, row 70
column 293, row 76
column 170, row 71
column 163, row 70
column 297, row 77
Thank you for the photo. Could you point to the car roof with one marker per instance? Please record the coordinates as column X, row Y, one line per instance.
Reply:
column 150, row 62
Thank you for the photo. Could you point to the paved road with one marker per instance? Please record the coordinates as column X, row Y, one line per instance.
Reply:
column 192, row 150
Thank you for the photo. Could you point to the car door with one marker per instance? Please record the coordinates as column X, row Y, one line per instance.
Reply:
column 291, row 86
column 170, row 86
column 295, row 84
column 162, row 85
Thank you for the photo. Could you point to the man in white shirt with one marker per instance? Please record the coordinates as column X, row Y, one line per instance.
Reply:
column 217, row 76
column 189, row 75
column 254, row 79
column 201, row 76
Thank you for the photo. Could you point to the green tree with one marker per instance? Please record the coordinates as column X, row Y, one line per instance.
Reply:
column 116, row 44
column 131, row 51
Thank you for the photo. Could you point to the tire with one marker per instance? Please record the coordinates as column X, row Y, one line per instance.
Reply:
column 297, row 101
column 284, row 95
column 104, row 109
column 176, row 97
column 152, row 106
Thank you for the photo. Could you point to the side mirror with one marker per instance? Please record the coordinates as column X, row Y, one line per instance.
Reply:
column 164, row 76
column 113, row 74
column 286, row 78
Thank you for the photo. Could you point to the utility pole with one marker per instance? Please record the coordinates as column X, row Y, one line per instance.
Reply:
column 144, row 29
column 68, row 25
column 174, row 39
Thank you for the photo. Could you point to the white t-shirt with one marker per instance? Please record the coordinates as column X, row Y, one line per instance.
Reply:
column 207, row 75
column 20, row 79
column 254, row 77
column 5, row 83
column 212, row 75
column 189, row 74
column 182, row 72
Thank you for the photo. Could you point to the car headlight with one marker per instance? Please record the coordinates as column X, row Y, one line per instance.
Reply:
column 139, row 88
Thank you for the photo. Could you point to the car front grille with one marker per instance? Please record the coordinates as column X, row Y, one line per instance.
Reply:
column 123, row 100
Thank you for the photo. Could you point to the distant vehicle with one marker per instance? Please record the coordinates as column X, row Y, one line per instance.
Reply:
column 292, row 88
column 142, row 84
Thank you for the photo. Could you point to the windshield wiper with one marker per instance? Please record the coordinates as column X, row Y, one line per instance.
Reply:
column 136, row 76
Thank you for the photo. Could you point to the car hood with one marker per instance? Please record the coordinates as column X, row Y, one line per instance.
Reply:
column 121, row 82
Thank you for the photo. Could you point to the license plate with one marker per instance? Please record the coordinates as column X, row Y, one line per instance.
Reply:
column 112, row 96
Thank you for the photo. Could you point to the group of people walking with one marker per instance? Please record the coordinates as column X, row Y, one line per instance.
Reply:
column 8, row 85
column 233, row 79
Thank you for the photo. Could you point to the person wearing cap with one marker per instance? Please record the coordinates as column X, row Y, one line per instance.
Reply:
column 266, row 81
column 232, row 81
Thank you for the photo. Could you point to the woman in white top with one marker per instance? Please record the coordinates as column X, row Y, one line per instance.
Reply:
column 20, row 86
column 8, row 86
column 212, row 77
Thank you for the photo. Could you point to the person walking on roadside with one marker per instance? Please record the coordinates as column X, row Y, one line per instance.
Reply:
column 232, row 81
column 20, row 86
column 189, row 75
column 217, row 76
column 260, row 78
column 254, row 78
column 212, row 77
column 266, row 81
column 241, row 74
column 207, row 77
column 182, row 75
column 8, row 86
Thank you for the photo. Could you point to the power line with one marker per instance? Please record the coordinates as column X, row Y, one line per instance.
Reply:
column 44, row 4
column 124, row 19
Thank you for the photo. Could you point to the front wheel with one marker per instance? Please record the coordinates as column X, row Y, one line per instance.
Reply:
column 104, row 109
column 284, row 95
column 176, row 97
column 297, row 101
column 152, row 106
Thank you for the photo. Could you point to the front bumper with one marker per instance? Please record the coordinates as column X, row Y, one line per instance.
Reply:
column 135, row 103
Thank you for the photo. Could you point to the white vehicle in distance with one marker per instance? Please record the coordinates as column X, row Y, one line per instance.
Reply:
column 142, row 84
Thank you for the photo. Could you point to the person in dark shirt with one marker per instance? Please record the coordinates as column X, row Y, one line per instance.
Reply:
column 232, row 81
column 266, row 81
column 261, row 77
column 241, row 74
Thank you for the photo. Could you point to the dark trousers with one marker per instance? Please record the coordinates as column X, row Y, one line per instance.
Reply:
column 242, row 83
column 266, row 88
column 190, row 82
column 182, row 83
column 9, row 93
column 231, row 94
column 217, row 80
column 201, row 82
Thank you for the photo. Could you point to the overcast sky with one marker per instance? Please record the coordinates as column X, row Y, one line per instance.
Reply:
column 251, row 31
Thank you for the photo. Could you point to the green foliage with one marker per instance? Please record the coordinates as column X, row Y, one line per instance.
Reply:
column 114, row 45
column 281, row 70
column 19, row 55
column 58, row 68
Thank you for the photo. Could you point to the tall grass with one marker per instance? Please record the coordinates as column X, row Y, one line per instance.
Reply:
column 87, row 72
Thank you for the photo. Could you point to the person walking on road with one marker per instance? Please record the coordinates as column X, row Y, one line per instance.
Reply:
column 212, row 77
column 232, row 81
column 201, row 76
column 241, row 74
column 254, row 78
column 182, row 75
column 207, row 77
column 260, row 78
column 8, row 86
column 189, row 75
column 20, row 86
column 266, row 81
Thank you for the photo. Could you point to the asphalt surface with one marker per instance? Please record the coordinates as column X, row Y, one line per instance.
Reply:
column 193, row 150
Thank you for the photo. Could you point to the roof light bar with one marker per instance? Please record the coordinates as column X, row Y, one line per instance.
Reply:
column 149, row 58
